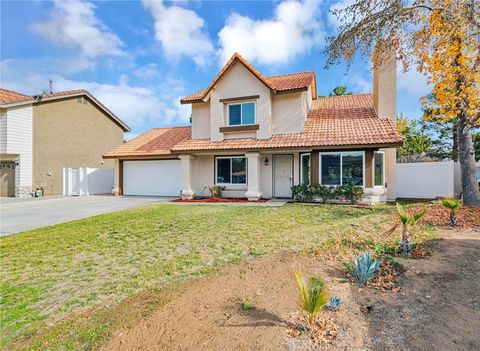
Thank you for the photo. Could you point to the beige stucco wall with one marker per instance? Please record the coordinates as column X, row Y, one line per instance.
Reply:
column 238, row 81
column 67, row 133
column 289, row 112
column 201, row 120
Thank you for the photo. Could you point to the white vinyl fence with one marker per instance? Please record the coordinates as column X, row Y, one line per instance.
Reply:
column 86, row 181
column 429, row 180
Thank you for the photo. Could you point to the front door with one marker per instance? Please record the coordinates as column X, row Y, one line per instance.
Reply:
column 282, row 175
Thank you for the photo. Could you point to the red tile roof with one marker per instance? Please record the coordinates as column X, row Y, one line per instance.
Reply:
column 348, row 120
column 278, row 84
column 155, row 142
column 8, row 97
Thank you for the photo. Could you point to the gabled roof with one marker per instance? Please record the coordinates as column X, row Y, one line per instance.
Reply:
column 332, row 122
column 10, row 99
column 277, row 84
column 155, row 142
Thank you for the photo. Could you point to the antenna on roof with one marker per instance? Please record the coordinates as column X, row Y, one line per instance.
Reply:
column 39, row 96
column 50, row 86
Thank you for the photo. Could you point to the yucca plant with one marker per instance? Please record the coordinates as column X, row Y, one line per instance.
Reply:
column 454, row 206
column 312, row 295
column 364, row 268
column 407, row 221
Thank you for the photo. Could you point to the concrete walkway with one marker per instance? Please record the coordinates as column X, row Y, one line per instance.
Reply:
column 18, row 215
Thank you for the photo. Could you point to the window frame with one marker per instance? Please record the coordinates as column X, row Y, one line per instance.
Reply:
column 231, row 168
column 341, row 153
column 383, row 169
column 241, row 113
column 309, row 167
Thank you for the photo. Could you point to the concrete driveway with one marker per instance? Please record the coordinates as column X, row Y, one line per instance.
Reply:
column 18, row 215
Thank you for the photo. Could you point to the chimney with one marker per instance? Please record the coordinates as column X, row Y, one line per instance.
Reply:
column 385, row 88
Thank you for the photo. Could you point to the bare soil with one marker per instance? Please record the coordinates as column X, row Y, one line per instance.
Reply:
column 437, row 307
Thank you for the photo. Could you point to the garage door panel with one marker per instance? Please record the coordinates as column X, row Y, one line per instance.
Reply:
column 152, row 178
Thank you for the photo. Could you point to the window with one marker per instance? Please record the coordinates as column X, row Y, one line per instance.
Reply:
column 379, row 169
column 241, row 114
column 305, row 168
column 341, row 168
column 231, row 170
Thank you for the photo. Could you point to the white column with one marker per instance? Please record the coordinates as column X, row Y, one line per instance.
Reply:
column 253, row 176
column 187, row 176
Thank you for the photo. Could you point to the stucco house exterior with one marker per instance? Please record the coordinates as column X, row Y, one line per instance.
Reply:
column 39, row 135
column 259, row 135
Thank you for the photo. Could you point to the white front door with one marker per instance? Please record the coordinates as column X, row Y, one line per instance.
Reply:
column 282, row 175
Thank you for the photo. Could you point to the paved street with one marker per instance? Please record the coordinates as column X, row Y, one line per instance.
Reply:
column 17, row 215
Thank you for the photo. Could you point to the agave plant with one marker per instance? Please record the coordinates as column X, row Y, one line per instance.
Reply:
column 364, row 268
column 453, row 205
column 312, row 295
column 334, row 303
column 407, row 222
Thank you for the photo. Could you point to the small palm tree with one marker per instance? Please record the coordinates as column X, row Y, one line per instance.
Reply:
column 454, row 206
column 407, row 221
column 312, row 295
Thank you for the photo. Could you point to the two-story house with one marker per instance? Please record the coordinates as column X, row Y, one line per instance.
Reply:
column 259, row 135
column 40, row 135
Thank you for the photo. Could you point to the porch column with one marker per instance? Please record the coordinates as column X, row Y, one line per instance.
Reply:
column 253, row 176
column 187, row 176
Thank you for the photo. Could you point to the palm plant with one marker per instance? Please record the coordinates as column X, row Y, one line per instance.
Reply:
column 407, row 221
column 454, row 206
column 312, row 295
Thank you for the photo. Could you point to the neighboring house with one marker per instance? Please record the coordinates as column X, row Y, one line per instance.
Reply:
column 39, row 135
column 258, row 136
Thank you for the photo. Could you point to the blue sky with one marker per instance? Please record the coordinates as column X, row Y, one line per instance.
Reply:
column 140, row 58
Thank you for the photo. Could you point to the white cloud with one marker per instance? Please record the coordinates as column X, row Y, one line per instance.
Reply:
column 137, row 106
column 73, row 23
column 413, row 82
column 338, row 5
column 359, row 85
column 293, row 30
column 180, row 31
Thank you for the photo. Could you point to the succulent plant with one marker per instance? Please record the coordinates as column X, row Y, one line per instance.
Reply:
column 333, row 303
column 364, row 268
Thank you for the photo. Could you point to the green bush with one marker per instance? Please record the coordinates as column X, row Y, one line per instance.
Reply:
column 325, row 193
column 302, row 192
column 351, row 193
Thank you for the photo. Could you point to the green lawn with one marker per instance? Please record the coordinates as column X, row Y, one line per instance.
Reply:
column 69, row 286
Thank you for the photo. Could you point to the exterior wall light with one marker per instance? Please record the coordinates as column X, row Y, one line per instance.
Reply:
column 266, row 161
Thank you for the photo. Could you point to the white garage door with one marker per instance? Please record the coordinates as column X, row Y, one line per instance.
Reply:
column 155, row 178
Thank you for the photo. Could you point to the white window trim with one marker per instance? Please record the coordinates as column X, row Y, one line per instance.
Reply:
column 241, row 113
column 341, row 153
column 231, row 170
column 383, row 169
column 309, row 167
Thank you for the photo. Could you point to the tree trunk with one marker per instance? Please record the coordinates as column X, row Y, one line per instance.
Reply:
column 466, row 157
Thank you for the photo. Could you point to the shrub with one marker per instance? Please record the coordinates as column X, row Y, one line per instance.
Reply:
column 325, row 193
column 350, row 192
column 364, row 268
column 216, row 190
column 454, row 206
column 302, row 192
column 312, row 295
column 407, row 222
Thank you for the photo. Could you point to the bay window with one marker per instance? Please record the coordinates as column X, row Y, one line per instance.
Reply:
column 241, row 113
column 340, row 168
column 230, row 170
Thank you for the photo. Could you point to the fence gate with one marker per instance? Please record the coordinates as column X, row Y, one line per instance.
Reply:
column 88, row 181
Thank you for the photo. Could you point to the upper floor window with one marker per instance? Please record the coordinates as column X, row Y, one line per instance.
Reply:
column 241, row 114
